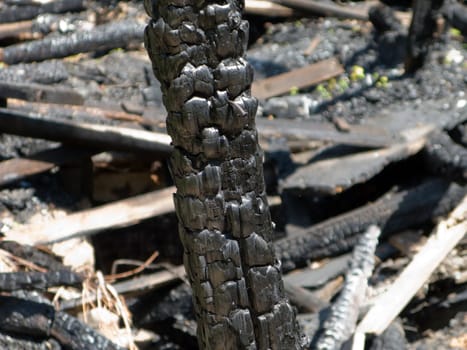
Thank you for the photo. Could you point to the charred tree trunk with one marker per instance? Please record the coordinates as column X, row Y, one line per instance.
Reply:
column 197, row 50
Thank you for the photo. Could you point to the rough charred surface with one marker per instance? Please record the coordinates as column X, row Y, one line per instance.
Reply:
column 104, row 37
column 343, row 317
column 421, row 32
column 392, row 213
column 22, row 317
column 19, row 12
column 445, row 157
column 38, row 280
column 13, row 343
column 49, row 72
column 32, row 254
column 197, row 50
column 393, row 338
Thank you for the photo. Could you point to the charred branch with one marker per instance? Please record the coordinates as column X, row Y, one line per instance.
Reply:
column 456, row 15
column 40, row 93
column 391, row 213
column 48, row 72
column 20, row 12
column 384, row 19
column 344, row 312
column 103, row 37
column 23, row 343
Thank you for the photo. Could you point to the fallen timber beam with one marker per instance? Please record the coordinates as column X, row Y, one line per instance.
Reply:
column 297, row 78
column 305, row 130
column 68, row 110
column 103, row 37
column 391, row 213
column 327, row 8
column 386, row 308
column 40, row 320
column 122, row 213
column 334, row 175
column 40, row 93
column 16, row 169
column 83, row 134
column 17, row 13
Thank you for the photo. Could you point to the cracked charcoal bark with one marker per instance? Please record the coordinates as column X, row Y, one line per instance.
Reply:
column 32, row 254
column 10, row 281
column 20, row 13
column 197, row 51
column 13, row 343
column 443, row 156
column 342, row 320
column 396, row 212
column 103, row 37
column 25, row 317
column 421, row 32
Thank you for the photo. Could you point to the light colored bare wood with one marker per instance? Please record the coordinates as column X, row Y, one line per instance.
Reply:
column 8, row 30
column 267, row 8
column 297, row 78
column 445, row 237
column 117, row 214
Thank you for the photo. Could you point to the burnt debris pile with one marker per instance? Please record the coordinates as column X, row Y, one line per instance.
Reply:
column 362, row 119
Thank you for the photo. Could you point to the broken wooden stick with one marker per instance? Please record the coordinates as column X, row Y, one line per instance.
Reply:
column 267, row 8
column 117, row 214
column 444, row 238
column 306, row 130
column 40, row 93
column 16, row 169
column 103, row 37
column 297, row 78
column 342, row 320
column 83, row 134
column 327, row 9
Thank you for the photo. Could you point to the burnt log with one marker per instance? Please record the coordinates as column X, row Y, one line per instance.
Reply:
column 11, row 281
column 40, row 93
column 40, row 320
column 391, row 213
column 445, row 157
column 20, row 12
column 103, row 37
column 197, row 49
column 384, row 19
column 456, row 15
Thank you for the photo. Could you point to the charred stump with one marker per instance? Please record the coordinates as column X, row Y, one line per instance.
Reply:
column 197, row 51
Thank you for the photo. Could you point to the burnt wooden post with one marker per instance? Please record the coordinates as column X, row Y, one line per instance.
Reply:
column 197, row 49
column 422, row 28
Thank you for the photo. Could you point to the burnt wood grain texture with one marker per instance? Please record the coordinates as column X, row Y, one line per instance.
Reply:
column 445, row 157
column 197, row 49
column 10, row 281
column 391, row 213
column 21, row 318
